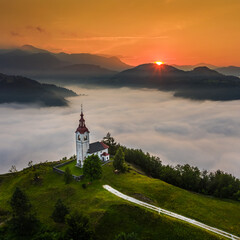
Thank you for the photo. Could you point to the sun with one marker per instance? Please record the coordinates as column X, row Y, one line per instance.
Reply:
column 159, row 63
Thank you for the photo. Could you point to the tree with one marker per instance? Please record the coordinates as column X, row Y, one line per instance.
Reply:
column 110, row 141
column 92, row 167
column 30, row 164
column 13, row 169
column 119, row 160
column 78, row 227
column 68, row 175
column 23, row 221
column 126, row 236
column 59, row 212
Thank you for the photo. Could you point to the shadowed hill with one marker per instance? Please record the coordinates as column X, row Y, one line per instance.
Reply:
column 201, row 83
column 24, row 90
column 230, row 70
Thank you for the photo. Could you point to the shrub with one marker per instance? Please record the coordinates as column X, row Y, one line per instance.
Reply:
column 92, row 167
column 59, row 212
column 78, row 227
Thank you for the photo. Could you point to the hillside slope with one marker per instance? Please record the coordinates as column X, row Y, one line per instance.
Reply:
column 18, row 89
column 111, row 215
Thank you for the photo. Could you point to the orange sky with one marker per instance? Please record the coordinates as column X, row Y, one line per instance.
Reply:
column 174, row 31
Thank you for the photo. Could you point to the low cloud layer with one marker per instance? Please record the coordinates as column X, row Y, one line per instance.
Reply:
column 204, row 134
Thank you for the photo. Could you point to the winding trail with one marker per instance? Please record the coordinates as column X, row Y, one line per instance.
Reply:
column 171, row 214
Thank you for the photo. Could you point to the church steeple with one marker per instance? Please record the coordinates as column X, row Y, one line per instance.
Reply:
column 82, row 126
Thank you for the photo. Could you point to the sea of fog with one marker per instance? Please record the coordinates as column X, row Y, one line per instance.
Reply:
column 202, row 133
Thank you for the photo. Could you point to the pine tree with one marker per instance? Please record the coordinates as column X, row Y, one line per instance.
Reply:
column 119, row 160
column 24, row 221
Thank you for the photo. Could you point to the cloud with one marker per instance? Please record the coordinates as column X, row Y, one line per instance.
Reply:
column 116, row 38
column 204, row 134
column 36, row 29
column 15, row 34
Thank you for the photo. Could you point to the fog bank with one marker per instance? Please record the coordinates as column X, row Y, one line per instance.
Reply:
column 204, row 134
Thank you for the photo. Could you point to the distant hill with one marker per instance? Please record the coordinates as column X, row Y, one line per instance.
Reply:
column 19, row 60
column 230, row 70
column 24, row 90
column 191, row 67
column 32, row 49
column 201, row 83
column 112, row 63
column 83, row 71
column 73, row 68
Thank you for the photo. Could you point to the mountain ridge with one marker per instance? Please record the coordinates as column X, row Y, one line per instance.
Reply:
column 201, row 83
column 18, row 89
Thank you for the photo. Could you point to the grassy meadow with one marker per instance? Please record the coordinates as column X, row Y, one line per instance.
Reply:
column 110, row 215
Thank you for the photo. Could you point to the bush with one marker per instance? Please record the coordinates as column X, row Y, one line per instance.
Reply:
column 92, row 167
column 59, row 212
column 78, row 227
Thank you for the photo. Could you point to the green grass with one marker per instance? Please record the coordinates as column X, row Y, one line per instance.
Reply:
column 223, row 214
column 111, row 215
column 77, row 171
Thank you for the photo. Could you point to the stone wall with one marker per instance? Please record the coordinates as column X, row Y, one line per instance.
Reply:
column 57, row 170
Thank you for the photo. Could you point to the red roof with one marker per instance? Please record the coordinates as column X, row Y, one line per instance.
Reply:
column 105, row 154
column 82, row 130
column 104, row 145
column 82, row 127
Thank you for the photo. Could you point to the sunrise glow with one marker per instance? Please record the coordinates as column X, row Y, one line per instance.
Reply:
column 159, row 63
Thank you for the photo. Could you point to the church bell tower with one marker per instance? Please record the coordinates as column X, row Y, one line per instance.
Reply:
column 82, row 141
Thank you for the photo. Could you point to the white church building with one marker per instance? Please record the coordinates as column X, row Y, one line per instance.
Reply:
column 84, row 148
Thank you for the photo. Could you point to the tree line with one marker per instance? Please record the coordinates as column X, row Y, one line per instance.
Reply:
column 218, row 183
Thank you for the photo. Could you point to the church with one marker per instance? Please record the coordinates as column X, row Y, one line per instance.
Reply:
column 84, row 148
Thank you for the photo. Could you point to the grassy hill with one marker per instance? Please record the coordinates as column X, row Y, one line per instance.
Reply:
column 111, row 215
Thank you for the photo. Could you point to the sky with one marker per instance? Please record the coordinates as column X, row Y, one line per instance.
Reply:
column 205, row 134
column 174, row 31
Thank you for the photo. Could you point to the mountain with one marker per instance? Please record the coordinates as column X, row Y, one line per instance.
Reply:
column 230, row 70
column 32, row 49
column 24, row 90
column 85, row 71
column 68, row 68
column 112, row 63
column 19, row 61
column 191, row 67
column 201, row 83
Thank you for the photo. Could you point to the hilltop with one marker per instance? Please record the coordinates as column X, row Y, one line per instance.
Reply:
column 111, row 215
column 201, row 83
column 18, row 89
column 35, row 62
